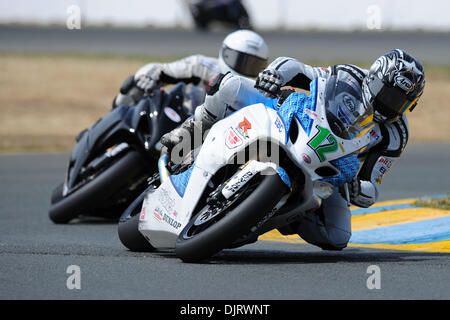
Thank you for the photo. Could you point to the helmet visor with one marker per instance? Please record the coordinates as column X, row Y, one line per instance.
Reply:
column 243, row 63
column 389, row 101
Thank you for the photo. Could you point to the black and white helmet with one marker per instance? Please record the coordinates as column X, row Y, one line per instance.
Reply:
column 394, row 85
column 244, row 53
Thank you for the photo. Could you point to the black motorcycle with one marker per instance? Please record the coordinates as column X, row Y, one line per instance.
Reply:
column 231, row 12
column 112, row 161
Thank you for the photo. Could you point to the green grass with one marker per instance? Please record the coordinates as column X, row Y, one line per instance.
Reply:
column 435, row 203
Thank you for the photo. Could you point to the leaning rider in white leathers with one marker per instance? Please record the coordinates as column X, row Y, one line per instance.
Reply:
column 243, row 53
column 391, row 87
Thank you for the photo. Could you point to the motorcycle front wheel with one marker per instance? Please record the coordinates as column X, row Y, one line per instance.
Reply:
column 95, row 190
column 217, row 226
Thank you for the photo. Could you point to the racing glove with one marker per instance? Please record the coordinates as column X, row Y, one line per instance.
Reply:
column 269, row 82
column 362, row 193
column 149, row 80
column 129, row 94
column 146, row 83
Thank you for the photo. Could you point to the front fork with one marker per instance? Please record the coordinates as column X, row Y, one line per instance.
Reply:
column 162, row 165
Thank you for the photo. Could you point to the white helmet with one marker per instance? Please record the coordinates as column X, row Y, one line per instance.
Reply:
column 244, row 53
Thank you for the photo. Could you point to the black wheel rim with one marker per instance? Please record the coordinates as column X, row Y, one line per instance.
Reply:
column 212, row 213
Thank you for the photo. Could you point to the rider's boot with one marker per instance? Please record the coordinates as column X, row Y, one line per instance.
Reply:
column 185, row 134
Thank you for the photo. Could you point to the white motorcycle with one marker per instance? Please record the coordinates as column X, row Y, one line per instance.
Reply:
column 257, row 170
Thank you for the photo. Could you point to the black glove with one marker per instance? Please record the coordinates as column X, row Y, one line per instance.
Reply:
column 129, row 94
column 269, row 82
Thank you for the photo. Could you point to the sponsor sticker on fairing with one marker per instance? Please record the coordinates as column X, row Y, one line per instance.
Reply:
column 170, row 221
column 172, row 114
column 374, row 135
column 279, row 125
column 306, row 158
column 386, row 162
column 166, row 201
column 157, row 214
column 232, row 140
column 312, row 115
column 381, row 168
column 243, row 127
column 238, row 181
column 142, row 217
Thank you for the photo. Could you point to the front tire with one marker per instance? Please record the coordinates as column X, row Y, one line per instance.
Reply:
column 195, row 245
column 112, row 179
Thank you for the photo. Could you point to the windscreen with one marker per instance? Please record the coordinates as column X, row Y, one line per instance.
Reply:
column 346, row 113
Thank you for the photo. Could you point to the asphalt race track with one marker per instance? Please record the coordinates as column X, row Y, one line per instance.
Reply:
column 332, row 47
column 35, row 253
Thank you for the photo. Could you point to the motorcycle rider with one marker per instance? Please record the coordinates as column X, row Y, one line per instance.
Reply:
column 243, row 53
column 391, row 87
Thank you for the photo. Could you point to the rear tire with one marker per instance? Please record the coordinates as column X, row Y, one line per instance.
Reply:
column 128, row 228
column 131, row 237
column 113, row 178
column 234, row 224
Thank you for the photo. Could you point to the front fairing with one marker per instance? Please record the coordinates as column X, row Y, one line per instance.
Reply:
column 346, row 113
column 310, row 140
column 118, row 126
column 140, row 126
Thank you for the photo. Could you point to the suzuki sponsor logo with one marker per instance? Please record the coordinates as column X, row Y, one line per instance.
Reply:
column 243, row 127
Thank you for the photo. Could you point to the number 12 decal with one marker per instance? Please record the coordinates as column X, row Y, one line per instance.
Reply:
column 317, row 143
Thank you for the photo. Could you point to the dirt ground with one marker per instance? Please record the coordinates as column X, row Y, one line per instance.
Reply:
column 47, row 100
